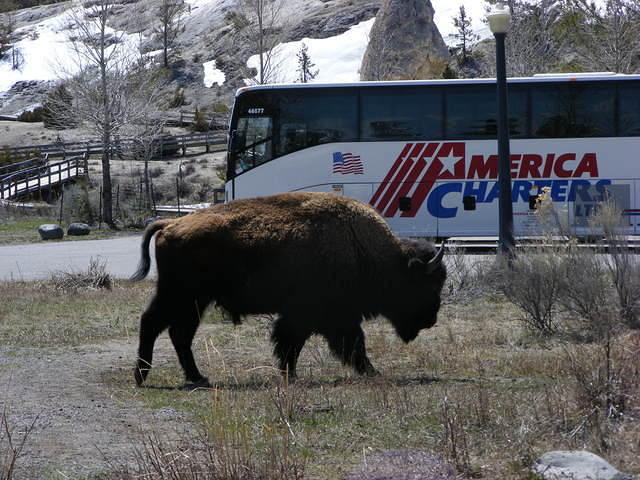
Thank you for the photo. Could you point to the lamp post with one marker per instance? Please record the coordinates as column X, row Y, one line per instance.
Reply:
column 499, row 21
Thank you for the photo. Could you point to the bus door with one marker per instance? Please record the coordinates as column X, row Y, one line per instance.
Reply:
column 634, row 210
column 589, row 200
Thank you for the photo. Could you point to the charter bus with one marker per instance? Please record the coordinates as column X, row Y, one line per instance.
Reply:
column 424, row 153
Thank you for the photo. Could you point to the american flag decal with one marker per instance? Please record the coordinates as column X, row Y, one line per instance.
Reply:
column 347, row 163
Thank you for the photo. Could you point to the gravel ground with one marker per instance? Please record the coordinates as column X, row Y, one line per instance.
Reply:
column 84, row 422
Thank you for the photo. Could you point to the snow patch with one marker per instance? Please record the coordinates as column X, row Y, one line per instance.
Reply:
column 212, row 75
column 337, row 59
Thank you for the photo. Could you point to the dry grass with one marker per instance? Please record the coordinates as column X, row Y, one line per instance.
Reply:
column 479, row 389
column 40, row 314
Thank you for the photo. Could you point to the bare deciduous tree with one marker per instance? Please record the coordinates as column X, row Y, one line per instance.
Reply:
column 112, row 90
column 260, row 25
column 535, row 39
column 607, row 37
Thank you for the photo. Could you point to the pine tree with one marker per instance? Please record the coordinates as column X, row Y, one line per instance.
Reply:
column 6, row 37
column 465, row 34
column 169, row 25
column 305, row 65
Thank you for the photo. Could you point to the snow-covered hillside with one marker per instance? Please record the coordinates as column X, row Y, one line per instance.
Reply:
column 338, row 59
column 48, row 53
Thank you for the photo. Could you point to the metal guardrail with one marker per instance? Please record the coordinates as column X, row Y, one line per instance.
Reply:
column 41, row 177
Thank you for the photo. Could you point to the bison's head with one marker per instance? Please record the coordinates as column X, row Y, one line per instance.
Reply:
column 422, row 282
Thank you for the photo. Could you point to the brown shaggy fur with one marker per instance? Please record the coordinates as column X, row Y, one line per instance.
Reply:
column 321, row 261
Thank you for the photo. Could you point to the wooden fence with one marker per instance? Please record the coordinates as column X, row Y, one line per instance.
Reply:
column 164, row 144
column 42, row 176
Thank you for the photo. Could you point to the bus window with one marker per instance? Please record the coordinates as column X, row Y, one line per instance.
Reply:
column 307, row 118
column 471, row 112
column 400, row 113
column 573, row 110
column 629, row 108
column 293, row 136
column 252, row 142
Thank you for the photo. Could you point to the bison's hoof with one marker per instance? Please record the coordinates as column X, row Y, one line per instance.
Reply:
column 140, row 375
column 371, row 372
column 193, row 385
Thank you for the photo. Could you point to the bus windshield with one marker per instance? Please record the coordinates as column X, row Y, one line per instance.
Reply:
column 251, row 142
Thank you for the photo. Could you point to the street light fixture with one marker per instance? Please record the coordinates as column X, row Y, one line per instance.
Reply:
column 499, row 21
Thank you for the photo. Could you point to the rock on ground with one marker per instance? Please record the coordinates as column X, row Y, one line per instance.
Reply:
column 575, row 465
column 78, row 228
column 50, row 231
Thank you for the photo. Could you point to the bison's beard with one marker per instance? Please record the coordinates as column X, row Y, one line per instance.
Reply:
column 406, row 332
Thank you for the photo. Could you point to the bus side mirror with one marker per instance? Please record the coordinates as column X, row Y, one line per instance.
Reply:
column 405, row 204
column 469, row 202
column 218, row 195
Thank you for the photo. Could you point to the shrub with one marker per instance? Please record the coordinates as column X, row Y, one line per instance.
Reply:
column 467, row 279
column 533, row 282
column 32, row 116
column 96, row 277
column 11, row 445
column 220, row 108
column 79, row 203
column 606, row 385
column 621, row 262
column 189, row 170
column 57, row 109
column 200, row 122
column 155, row 172
column 178, row 99
column 560, row 277
column 585, row 290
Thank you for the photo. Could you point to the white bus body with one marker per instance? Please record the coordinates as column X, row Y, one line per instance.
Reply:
column 448, row 187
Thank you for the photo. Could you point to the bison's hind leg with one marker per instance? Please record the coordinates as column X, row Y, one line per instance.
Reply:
column 346, row 341
column 288, row 338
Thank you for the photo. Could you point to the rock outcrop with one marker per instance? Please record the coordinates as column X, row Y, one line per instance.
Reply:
column 404, row 43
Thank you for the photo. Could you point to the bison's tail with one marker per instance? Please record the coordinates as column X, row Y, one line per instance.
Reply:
column 145, row 261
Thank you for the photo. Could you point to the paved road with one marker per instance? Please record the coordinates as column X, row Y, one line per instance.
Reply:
column 35, row 261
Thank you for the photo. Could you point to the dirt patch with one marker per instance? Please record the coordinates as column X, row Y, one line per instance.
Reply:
column 85, row 423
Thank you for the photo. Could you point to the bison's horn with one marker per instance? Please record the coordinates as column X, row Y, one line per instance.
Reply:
column 436, row 260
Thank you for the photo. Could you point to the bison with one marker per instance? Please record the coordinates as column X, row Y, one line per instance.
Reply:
column 320, row 261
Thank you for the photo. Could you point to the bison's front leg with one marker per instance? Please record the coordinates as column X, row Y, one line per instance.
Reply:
column 182, row 337
column 346, row 340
